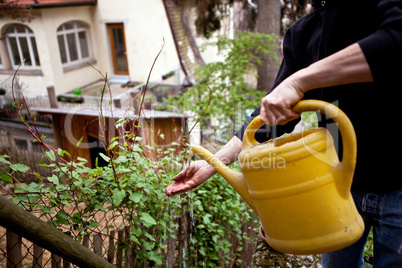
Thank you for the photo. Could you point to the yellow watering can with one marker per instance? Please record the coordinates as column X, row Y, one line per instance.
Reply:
column 297, row 185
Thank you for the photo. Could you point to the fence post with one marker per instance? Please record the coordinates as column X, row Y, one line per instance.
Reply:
column 39, row 232
column 13, row 250
column 97, row 243
column 56, row 261
column 184, row 236
column 37, row 256
column 119, row 255
column 85, row 241
column 171, row 247
column 130, row 256
column 110, row 252
column 66, row 263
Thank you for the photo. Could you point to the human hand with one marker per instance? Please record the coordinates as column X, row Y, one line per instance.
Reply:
column 276, row 107
column 190, row 177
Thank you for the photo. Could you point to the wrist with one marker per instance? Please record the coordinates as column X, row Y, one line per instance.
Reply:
column 301, row 82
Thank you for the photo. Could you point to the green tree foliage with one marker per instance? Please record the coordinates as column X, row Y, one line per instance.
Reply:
column 223, row 91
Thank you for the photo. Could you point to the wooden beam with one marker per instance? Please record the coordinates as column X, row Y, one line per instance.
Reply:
column 39, row 232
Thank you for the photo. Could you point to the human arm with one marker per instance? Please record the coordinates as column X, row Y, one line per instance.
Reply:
column 198, row 172
column 346, row 66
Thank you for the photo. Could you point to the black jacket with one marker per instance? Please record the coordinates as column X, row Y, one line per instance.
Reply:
column 373, row 108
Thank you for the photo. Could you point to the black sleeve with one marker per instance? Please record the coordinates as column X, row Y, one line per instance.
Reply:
column 383, row 48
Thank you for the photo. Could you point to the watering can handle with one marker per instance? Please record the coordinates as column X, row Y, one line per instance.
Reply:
column 339, row 117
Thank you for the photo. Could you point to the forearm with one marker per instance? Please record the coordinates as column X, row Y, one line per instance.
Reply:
column 344, row 67
column 229, row 153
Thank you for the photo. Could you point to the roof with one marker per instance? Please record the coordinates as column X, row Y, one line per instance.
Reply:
column 117, row 113
column 52, row 3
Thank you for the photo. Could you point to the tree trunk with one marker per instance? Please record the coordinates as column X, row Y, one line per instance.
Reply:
column 241, row 17
column 268, row 22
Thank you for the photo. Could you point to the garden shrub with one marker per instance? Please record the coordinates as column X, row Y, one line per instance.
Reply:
column 130, row 189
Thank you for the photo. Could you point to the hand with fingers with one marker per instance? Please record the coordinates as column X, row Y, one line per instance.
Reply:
column 276, row 107
column 190, row 177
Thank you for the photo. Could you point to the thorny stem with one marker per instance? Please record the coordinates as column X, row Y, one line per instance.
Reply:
column 149, row 77
column 105, row 129
column 202, row 115
column 102, row 119
column 19, row 104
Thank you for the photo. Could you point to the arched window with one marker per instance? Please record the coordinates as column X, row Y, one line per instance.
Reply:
column 21, row 46
column 73, row 42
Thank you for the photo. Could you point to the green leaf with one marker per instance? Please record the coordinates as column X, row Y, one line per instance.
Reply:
column 81, row 159
column 40, row 164
column 6, row 178
column 53, row 179
column 61, row 218
column 51, row 155
column 136, row 231
column 118, row 196
column 147, row 220
column 136, row 197
column 156, row 257
column 206, row 219
column 79, row 142
column 93, row 224
column 105, row 157
column 148, row 245
column 134, row 239
column 19, row 167
column 111, row 146
column 4, row 161
column 202, row 251
column 149, row 236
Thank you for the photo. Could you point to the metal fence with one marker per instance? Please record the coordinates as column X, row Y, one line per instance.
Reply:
column 109, row 239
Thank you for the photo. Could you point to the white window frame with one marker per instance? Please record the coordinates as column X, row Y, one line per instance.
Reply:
column 61, row 31
column 28, row 34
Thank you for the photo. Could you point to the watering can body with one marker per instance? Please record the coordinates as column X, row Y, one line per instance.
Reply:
column 297, row 185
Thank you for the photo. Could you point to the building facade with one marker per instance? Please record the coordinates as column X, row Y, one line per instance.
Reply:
column 67, row 43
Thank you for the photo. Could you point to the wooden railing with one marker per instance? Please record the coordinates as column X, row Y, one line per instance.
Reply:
column 24, row 224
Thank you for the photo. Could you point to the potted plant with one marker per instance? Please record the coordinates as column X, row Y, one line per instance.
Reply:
column 148, row 101
column 75, row 98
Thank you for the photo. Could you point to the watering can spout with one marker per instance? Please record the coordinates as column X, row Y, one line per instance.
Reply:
column 235, row 179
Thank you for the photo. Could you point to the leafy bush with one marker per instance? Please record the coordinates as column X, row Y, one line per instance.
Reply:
column 130, row 189
column 218, row 214
column 134, row 192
